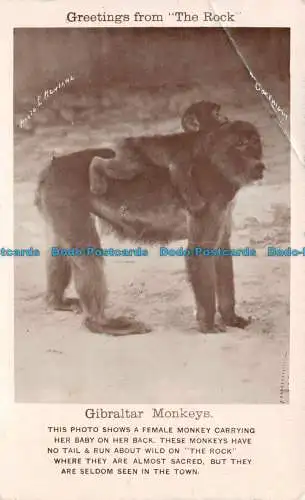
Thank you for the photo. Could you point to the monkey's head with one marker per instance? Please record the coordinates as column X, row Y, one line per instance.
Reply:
column 202, row 115
column 235, row 149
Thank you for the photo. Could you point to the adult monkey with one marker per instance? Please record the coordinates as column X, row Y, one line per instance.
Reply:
column 154, row 212
column 201, row 115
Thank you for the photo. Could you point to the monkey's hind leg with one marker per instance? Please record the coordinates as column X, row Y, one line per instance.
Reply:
column 59, row 274
column 88, row 272
column 76, row 227
column 114, row 168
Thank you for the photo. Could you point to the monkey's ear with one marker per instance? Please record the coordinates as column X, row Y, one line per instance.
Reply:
column 98, row 183
column 190, row 122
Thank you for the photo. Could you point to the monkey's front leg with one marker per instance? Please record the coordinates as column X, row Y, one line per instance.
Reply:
column 182, row 179
column 203, row 232
column 225, row 288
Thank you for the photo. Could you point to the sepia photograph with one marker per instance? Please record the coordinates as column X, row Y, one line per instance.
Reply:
column 151, row 215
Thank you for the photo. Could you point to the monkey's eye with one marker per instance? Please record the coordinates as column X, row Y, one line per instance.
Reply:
column 255, row 141
column 242, row 141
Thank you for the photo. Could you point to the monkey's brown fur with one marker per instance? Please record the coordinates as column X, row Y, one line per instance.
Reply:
column 202, row 115
column 154, row 212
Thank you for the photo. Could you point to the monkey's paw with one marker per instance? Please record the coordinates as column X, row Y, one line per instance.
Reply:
column 71, row 304
column 211, row 328
column 238, row 321
column 117, row 326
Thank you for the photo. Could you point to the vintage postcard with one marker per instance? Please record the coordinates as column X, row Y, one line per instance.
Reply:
column 152, row 251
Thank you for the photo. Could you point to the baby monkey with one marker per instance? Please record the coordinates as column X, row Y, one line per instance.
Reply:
column 202, row 115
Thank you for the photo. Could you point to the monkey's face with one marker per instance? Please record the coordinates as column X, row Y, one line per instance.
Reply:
column 203, row 116
column 218, row 117
column 236, row 150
